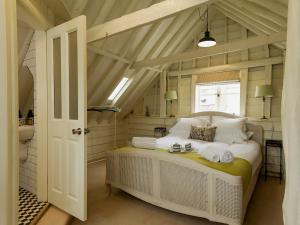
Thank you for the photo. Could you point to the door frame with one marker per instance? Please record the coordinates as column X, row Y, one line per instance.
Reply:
column 9, row 135
column 41, row 125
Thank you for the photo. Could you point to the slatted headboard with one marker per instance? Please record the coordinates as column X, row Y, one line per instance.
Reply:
column 213, row 116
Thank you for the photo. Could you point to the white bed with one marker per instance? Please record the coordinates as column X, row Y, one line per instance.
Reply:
column 185, row 186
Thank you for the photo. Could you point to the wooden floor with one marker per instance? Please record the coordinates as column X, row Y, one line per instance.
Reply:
column 123, row 209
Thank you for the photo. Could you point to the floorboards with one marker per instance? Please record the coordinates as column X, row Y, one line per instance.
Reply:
column 123, row 209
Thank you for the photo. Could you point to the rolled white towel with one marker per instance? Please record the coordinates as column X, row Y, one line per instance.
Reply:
column 217, row 152
column 211, row 156
column 227, row 157
column 144, row 142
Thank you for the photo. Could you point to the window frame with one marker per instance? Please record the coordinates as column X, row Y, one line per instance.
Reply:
column 219, row 83
column 118, row 90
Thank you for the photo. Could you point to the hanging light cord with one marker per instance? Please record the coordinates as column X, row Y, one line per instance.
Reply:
column 204, row 17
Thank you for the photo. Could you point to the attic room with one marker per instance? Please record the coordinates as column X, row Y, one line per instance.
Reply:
column 124, row 112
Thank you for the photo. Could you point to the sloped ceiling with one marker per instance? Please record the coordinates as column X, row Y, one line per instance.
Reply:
column 162, row 38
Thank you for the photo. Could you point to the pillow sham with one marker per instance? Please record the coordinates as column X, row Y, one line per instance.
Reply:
column 203, row 133
column 183, row 126
column 230, row 131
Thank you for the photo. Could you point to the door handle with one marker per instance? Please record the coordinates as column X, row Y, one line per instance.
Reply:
column 77, row 131
column 86, row 130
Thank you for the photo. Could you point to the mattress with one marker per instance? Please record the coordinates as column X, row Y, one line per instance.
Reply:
column 250, row 150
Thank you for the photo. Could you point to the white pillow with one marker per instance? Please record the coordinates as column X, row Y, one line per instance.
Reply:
column 183, row 126
column 230, row 130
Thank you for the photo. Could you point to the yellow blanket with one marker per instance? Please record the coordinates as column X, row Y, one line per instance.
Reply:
column 239, row 167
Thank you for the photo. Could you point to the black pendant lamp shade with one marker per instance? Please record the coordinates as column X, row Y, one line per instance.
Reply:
column 207, row 40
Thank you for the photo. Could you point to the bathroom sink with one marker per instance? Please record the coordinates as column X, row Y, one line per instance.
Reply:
column 26, row 132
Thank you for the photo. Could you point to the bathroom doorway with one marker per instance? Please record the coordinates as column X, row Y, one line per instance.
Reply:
column 30, row 206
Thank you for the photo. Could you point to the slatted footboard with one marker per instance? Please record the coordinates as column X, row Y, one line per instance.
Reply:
column 179, row 185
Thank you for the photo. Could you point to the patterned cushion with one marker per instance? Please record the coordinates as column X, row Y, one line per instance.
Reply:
column 203, row 133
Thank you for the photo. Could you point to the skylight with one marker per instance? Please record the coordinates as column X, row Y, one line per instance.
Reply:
column 117, row 90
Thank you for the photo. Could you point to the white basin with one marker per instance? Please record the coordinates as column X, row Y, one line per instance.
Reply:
column 26, row 133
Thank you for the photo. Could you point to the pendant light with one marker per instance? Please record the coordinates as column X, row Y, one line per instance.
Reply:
column 207, row 40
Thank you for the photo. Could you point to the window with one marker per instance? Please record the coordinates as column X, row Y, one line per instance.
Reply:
column 223, row 97
column 118, row 89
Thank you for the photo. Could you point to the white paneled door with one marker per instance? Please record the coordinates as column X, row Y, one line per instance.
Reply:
column 67, row 161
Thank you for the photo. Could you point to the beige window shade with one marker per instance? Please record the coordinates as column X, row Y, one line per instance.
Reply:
column 218, row 77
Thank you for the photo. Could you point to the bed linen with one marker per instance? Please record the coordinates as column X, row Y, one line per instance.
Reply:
column 248, row 150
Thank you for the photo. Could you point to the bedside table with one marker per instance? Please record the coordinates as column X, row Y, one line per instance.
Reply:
column 160, row 131
column 274, row 144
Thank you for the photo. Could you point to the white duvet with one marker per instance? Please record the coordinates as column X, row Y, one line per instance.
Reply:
column 249, row 150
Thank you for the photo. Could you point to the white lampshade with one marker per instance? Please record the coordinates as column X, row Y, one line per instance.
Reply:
column 263, row 91
column 171, row 95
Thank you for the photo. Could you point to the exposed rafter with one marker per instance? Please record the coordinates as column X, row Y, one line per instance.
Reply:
column 31, row 14
column 179, row 44
column 108, row 54
column 273, row 6
column 247, row 23
column 216, row 50
column 179, row 30
column 251, row 16
column 116, row 57
column 260, row 11
column 141, row 17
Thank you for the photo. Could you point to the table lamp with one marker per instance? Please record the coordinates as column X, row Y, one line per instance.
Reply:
column 170, row 96
column 264, row 91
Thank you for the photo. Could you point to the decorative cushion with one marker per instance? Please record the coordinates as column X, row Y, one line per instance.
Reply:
column 203, row 133
column 230, row 130
column 183, row 126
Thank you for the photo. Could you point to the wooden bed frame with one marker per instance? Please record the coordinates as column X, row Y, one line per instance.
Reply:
column 200, row 191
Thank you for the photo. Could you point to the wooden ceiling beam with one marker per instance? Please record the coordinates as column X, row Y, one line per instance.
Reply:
column 105, row 10
column 109, row 54
column 31, row 14
column 250, row 25
column 141, row 17
column 273, row 6
column 260, row 11
column 153, row 42
column 216, row 50
column 140, row 47
column 229, row 67
column 178, row 45
column 249, row 15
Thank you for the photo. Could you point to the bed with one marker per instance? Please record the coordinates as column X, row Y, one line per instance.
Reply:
column 184, row 186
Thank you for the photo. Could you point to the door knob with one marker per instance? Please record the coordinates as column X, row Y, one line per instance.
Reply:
column 77, row 131
column 86, row 130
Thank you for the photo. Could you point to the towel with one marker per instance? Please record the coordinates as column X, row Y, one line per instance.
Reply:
column 227, row 157
column 217, row 152
column 144, row 142
column 211, row 156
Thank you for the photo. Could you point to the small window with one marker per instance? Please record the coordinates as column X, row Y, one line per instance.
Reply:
column 118, row 89
column 223, row 97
